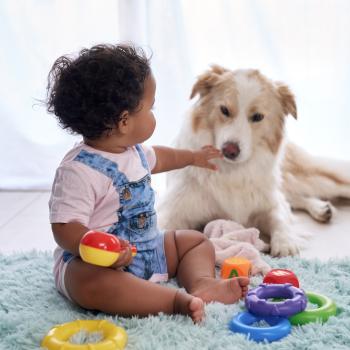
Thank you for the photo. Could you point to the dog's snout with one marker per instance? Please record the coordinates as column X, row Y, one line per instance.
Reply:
column 231, row 150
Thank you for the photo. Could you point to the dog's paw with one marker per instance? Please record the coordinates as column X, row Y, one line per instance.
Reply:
column 322, row 211
column 264, row 248
column 283, row 245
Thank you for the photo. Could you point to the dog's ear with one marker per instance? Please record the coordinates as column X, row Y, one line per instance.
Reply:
column 207, row 80
column 287, row 99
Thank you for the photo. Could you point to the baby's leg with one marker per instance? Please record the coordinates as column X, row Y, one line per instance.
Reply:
column 191, row 257
column 118, row 292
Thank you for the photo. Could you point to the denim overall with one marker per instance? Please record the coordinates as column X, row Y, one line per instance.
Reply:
column 137, row 221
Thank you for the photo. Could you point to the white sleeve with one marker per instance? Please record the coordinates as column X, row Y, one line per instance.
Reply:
column 150, row 156
column 73, row 196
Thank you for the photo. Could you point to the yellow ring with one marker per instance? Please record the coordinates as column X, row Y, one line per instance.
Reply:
column 115, row 338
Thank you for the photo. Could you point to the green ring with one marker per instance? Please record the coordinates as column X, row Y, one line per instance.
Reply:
column 326, row 308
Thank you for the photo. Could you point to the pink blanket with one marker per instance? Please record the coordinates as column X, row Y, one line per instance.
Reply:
column 232, row 239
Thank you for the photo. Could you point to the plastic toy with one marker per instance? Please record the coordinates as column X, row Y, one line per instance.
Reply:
column 115, row 338
column 282, row 286
column 236, row 266
column 280, row 276
column 242, row 323
column 100, row 248
column 133, row 250
column 257, row 303
column 326, row 309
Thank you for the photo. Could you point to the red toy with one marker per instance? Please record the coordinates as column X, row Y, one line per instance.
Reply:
column 100, row 248
column 280, row 276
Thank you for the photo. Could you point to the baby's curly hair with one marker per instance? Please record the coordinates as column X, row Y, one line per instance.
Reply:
column 88, row 93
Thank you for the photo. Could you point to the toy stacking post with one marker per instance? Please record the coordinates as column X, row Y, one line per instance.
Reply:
column 236, row 267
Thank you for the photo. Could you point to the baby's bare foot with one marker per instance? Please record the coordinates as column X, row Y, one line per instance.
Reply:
column 226, row 291
column 187, row 304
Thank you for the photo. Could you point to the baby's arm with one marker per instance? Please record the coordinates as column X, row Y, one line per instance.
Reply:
column 172, row 158
column 68, row 237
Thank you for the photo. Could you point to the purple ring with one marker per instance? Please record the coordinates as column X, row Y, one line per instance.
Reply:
column 257, row 303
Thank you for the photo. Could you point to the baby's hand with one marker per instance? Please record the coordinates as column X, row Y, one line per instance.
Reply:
column 125, row 256
column 201, row 158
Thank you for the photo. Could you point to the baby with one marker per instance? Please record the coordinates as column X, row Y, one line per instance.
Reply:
column 106, row 95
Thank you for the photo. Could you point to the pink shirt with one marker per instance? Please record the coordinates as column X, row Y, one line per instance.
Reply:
column 82, row 194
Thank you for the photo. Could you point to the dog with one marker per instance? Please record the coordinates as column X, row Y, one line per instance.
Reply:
column 261, row 177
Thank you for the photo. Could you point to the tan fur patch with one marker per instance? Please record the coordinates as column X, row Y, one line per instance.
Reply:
column 199, row 116
column 274, row 142
column 265, row 83
column 276, row 131
column 287, row 100
column 284, row 94
column 207, row 80
column 198, row 121
column 295, row 163
column 215, row 78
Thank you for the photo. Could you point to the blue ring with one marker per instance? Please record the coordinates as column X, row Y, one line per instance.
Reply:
column 279, row 327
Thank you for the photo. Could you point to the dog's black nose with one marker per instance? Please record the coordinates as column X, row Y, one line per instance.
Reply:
column 230, row 150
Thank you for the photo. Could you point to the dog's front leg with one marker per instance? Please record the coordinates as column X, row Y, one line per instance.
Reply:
column 277, row 223
column 282, row 241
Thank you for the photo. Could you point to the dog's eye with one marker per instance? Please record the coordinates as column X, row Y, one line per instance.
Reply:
column 225, row 111
column 257, row 117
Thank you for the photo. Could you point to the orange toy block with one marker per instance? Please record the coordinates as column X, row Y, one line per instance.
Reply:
column 236, row 267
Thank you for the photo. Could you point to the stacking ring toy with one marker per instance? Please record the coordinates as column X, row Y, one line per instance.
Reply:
column 326, row 308
column 256, row 300
column 279, row 327
column 115, row 338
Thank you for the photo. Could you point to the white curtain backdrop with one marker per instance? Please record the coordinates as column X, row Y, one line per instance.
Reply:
column 303, row 43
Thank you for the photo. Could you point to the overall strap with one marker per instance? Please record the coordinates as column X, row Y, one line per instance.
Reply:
column 143, row 157
column 103, row 165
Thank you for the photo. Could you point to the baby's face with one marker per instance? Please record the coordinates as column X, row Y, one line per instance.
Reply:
column 143, row 121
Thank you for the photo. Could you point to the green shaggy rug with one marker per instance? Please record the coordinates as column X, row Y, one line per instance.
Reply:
column 30, row 306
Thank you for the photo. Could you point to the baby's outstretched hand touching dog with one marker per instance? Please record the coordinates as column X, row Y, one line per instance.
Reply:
column 173, row 158
column 202, row 157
